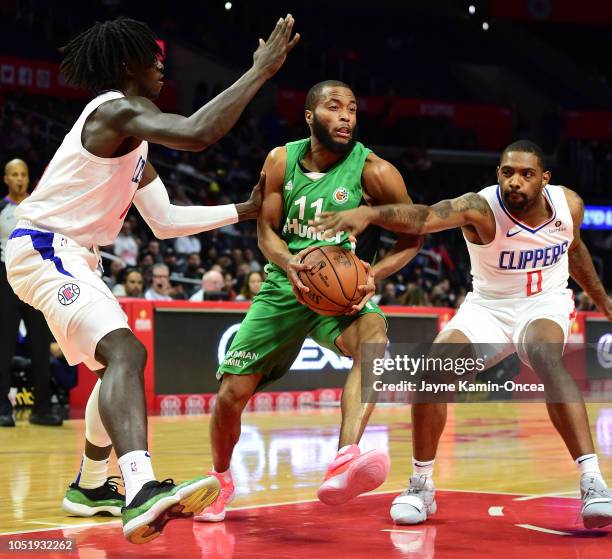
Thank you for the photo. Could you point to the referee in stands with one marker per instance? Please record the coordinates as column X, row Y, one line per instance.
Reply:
column 17, row 179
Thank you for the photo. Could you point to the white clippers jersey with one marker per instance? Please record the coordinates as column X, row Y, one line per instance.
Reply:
column 522, row 261
column 82, row 196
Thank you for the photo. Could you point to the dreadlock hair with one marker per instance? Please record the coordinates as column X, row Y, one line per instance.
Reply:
column 312, row 98
column 525, row 146
column 95, row 59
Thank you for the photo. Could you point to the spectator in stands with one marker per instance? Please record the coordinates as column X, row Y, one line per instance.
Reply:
column 228, row 286
column 187, row 245
column 212, row 288
column 160, row 284
column 225, row 260
column 125, row 246
column 193, row 268
column 415, row 296
column 251, row 287
column 170, row 260
column 241, row 274
column 115, row 269
column 145, row 264
column 154, row 250
column 132, row 284
column 249, row 258
column 440, row 294
column 211, row 257
column 389, row 294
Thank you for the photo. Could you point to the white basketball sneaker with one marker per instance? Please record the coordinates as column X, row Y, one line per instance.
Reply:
column 415, row 504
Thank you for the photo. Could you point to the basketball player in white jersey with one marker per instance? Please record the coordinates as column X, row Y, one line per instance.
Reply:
column 523, row 236
column 81, row 201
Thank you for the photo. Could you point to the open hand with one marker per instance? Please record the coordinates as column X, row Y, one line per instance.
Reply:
column 271, row 54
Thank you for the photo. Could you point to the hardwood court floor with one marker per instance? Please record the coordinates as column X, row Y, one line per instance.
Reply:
column 507, row 488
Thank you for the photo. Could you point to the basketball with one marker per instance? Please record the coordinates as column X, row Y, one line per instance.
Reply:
column 333, row 280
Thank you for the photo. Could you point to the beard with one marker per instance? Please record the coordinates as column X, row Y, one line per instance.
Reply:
column 322, row 134
column 518, row 203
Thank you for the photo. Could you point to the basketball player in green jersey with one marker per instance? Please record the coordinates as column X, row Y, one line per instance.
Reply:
column 304, row 178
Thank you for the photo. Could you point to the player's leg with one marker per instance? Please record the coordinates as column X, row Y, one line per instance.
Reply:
column 370, row 329
column 266, row 344
column 352, row 472
column 225, row 427
column 543, row 345
column 150, row 504
column 90, row 326
column 40, row 340
column 93, row 492
column 233, row 396
column 418, row 502
column 476, row 321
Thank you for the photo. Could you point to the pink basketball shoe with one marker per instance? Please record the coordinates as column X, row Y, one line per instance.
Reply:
column 351, row 474
column 216, row 511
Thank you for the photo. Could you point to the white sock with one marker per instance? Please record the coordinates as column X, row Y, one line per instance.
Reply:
column 226, row 475
column 588, row 465
column 92, row 473
column 136, row 469
column 422, row 468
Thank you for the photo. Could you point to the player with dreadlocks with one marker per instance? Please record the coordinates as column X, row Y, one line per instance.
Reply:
column 79, row 204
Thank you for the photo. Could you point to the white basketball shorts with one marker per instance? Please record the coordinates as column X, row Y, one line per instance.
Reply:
column 59, row 277
column 502, row 323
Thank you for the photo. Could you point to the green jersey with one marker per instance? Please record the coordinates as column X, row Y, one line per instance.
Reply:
column 308, row 194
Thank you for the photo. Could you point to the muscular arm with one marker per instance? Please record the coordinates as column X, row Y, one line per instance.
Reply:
column 580, row 263
column 138, row 117
column 384, row 185
column 471, row 209
column 271, row 244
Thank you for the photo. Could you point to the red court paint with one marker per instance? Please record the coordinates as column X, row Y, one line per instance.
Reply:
column 462, row 528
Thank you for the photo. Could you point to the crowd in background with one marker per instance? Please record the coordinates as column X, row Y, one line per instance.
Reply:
column 226, row 264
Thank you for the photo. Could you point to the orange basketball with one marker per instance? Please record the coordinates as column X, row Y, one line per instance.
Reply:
column 333, row 280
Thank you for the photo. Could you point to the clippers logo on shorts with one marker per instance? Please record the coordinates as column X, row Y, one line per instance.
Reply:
column 68, row 293
column 340, row 195
column 133, row 466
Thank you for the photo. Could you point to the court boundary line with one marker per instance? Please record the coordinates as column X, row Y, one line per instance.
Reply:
column 269, row 505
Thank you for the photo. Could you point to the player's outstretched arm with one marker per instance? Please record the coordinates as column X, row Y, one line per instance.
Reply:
column 580, row 262
column 139, row 117
column 167, row 220
column 414, row 219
